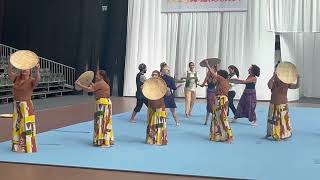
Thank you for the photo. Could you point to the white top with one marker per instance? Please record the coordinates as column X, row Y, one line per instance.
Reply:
column 193, row 82
column 232, row 85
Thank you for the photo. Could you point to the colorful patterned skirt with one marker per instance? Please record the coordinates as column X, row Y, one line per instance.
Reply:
column 24, row 127
column 157, row 126
column 279, row 126
column 103, row 133
column 247, row 105
column 220, row 129
column 210, row 100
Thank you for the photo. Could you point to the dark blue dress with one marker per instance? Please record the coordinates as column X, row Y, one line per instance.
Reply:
column 169, row 100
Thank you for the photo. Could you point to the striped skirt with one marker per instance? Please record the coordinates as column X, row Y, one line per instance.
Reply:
column 157, row 126
column 279, row 126
column 220, row 129
column 103, row 133
column 24, row 127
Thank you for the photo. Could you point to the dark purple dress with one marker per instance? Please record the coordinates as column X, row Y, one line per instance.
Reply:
column 169, row 100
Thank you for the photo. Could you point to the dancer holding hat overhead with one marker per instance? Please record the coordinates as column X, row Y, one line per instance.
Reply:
column 248, row 101
column 220, row 129
column 154, row 89
column 103, row 132
column 278, row 125
column 24, row 128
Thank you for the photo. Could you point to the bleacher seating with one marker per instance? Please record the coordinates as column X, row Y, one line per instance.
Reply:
column 51, row 83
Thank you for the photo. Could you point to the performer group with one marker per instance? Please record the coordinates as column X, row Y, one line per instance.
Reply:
column 220, row 96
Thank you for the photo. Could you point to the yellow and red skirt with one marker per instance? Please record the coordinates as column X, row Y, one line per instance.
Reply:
column 220, row 129
column 24, row 127
column 103, row 133
column 279, row 126
column 157, row 126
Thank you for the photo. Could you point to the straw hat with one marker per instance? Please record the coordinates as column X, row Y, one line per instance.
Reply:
column 211, row 61
column 154, row 88
column 287, row 72
column 6, row 115
column 85, row 79
column 24, row 59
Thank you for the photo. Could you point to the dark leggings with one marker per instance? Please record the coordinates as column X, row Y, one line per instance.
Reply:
column 140, row 104
column 231, row 95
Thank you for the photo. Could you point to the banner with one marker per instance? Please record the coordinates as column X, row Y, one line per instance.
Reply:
column 203, row 5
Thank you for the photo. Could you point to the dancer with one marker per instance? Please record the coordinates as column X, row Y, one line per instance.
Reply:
column 169, row 97
column 157, row 117
column 24, row 127
column 211, row 83
column 248, row 101
column 140, row 78
column 103, row 132
column 233, row 74
column 192, row 79
column 220, row 129
column 278, row 125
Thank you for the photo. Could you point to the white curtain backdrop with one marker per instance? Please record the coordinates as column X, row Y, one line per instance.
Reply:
column 297, row 22
column 237, row 38
column 293, row 15
column 303, row 50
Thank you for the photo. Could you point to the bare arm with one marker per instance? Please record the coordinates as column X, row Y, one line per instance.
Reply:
column 37, row 78
column 11, row 74
column 297, row 85
column 248, row 80
column 85, row 88
column 271, row 80
column 205, row 81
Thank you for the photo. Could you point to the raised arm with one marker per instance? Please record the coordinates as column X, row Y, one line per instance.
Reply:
column 37, row 78
column 271, row 80
column 85, row 88
column 11, row 74
column 297, row 85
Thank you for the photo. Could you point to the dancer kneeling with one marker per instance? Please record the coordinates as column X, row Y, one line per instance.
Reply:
column 220, row 129
column 157, row 115
column 103, row 133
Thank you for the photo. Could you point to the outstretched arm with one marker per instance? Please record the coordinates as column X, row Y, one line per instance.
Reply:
column 37, row 79
column 271, row 80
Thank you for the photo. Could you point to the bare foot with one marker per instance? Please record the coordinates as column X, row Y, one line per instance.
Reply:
column 177, row 124
column 132, row 121
column 254, row 124
column 233, row 120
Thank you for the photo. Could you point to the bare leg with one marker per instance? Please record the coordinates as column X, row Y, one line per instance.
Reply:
column 175, row 116
column 187, row 102
column 207, row 116
column 132, row 119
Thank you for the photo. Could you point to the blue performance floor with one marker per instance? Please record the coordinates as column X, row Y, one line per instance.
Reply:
column 189, row 151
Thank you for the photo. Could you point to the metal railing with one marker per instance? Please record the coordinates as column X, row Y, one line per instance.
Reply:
column 54, row 67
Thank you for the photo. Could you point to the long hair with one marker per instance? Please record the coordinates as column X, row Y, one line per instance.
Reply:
column 104, row 76
column 235, row 69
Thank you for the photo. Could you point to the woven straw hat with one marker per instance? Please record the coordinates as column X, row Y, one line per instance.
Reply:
column 154, row 88
column 85, row 79
column 24, row 59
column 6, row 115
column 287, row 72
column 211, row 61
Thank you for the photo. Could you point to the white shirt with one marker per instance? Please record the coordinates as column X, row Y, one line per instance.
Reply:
column 232, row 85
column 193, row 82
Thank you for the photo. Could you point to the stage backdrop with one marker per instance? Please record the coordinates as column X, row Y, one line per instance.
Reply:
column 203, row 5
